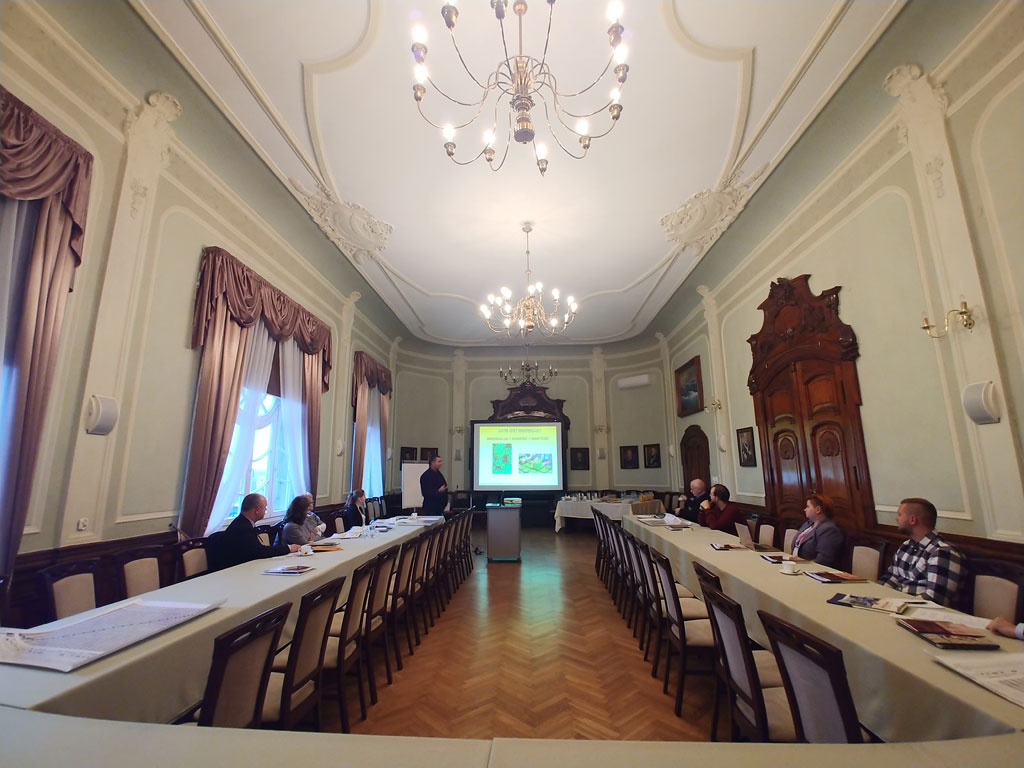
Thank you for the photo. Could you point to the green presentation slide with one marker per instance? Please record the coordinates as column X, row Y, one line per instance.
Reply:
column 524, row 456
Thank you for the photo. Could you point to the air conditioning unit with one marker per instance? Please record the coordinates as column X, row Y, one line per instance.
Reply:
column 632, row 382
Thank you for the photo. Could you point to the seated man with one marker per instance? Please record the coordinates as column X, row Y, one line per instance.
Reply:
column 691, row 503
column 239, row 542
column 718, row 512
column 924, row 565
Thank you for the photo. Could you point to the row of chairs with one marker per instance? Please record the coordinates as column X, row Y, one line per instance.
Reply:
column 253, row 684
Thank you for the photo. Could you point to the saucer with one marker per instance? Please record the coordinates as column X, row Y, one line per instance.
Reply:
column 794, row 573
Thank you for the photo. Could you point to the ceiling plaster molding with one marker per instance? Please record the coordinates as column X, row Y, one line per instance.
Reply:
column 702, row 219
column 350, row 226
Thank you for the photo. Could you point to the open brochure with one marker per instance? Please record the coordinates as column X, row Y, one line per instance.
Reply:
column 833, row 577
column 950, row 635
column 725, row 547
column 76, row 643
column 1000, row 672
column 884, row 604
column 289, row 570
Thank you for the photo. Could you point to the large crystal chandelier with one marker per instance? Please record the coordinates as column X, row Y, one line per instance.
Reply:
column 525, row 80
column 528, row 313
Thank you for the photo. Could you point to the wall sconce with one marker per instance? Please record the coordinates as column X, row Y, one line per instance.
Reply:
column 715, row 405
column 600, row 428
column 456, row 430
column 966, row 320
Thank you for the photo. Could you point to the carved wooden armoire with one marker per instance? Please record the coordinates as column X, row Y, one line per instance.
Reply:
column 807, row 405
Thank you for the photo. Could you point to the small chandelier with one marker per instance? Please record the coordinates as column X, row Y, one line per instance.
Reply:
column 528, row 313
column 528, row 373
column 525, row 80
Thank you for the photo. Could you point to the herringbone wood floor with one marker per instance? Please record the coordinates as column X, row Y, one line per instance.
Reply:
column 534, row 650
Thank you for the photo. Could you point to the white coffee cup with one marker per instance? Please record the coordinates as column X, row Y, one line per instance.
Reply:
column 788, row 566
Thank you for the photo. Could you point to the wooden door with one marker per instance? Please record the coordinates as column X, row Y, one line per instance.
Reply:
column 807, row 405
column 695, row 456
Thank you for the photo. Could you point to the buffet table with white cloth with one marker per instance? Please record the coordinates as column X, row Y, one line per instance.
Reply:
column 581, row 510
column 157, row 679
column 901, row 693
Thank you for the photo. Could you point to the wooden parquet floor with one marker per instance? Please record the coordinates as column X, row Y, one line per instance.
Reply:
column 536, row 650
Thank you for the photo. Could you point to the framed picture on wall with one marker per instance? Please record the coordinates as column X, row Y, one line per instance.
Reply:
column 652, row 456
column 689, row 388
column 745, row 443
column 408, row 454
column 629, row 457
column 579, row 459
column 427, row 454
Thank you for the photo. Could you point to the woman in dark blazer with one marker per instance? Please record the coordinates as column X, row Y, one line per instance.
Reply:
column 353, row 514
column 819, row 539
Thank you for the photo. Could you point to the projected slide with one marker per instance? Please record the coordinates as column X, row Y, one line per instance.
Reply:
column 524, row 456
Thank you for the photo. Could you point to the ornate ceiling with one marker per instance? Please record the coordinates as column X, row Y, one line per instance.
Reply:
column 718, row 91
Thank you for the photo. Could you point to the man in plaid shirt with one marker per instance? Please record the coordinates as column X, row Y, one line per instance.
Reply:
column 924, row 565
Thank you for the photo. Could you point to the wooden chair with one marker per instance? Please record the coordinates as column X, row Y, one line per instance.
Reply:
column 191, row 558
column 294, row 689
column 418, row 579
column 766, row 528
column 398, row 598
column 70, row 587
column 140, row 570
column 375, row 616
column 690, row 639
column 237, row 683
column 344, row 652
column 867, row 557
column 814, row 677
column 758, row 713
column 791, row 526
column 996, row 589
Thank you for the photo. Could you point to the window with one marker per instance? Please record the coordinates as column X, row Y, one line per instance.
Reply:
column 269, row 471
column 373, row 460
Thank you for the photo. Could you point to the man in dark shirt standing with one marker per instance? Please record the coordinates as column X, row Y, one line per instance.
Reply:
column 239, row 542
column 434, row 488
column 690, row 508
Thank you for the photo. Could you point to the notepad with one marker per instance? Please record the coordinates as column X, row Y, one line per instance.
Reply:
column 883, row 604
column 833, row 577
column 289, row 570
column 726, row 547
column 949, row 635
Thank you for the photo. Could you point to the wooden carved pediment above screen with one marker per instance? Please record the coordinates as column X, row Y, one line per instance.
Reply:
column 807, row 404
column 528, row 401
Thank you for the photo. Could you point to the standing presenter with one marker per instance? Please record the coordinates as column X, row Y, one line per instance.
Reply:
column 434, row 488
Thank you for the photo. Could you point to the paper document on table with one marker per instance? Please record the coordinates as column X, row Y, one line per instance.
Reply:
column 70, row 646
column 932, row 612
column 999, row 671
column 352, row 533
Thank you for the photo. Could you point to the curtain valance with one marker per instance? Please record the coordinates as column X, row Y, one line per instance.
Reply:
column 249, row 298
column 376, row 376
column 37, row 161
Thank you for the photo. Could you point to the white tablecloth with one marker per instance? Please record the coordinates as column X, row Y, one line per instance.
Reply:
column 157, row 679
column 900, row 692
column 615, row 510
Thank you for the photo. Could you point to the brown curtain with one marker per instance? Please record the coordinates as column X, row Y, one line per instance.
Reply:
column 229, row 299
column 367, row 374
column 38, row 162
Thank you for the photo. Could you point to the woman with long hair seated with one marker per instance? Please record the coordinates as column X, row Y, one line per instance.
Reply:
column 354, row 514
column 301, row 524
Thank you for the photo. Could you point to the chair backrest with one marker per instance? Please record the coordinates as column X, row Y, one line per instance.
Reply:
column 737, row 659
column 743, row 531
column 997, row 589
column 192, row 557
column 309, row 641
column 766, row 534
column 265, row 533
column 242, row 658
column 673, row 613
column 352, row 623
column 70, row 587
column 816, row 685
column 649, row 575
column 867, row 557
column 403, row 570
column 140, row 570
column 377, row 600
column 788, row 538
column 706, row 575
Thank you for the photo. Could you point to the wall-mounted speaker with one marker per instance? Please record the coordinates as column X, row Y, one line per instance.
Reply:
column 101, row 415
column 980, row 404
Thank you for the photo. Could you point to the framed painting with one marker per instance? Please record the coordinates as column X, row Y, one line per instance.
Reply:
column 689, row 388
column 579, row 459
column 652, row 456
column 427, row 454
column 745, row 444
column 629, row 457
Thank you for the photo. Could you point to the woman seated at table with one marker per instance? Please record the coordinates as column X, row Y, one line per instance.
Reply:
column 353, row 514
column 819, row 539
column 301, row 524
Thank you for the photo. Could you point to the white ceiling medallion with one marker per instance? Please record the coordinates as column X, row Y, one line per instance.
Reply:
column 351, row 227
column 706, row 215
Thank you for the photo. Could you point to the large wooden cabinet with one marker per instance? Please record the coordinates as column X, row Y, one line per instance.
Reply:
column 807, row 404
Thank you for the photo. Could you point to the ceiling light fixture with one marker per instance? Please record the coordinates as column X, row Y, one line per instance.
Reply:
column 525, row 80
column 527, row 373
column 528, row 313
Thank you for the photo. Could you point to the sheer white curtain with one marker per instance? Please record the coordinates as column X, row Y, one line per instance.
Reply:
column 258, row 363
column 373, row 459
column 293, row 422
column 18, row 220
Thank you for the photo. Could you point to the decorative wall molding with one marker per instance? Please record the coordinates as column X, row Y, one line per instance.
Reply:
column 706, row 215
column 350, row 226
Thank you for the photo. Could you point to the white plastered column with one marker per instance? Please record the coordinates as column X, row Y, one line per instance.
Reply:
column 341, row 444
column 672, row 449
column 716, row 349
column 598, row 368
column 458, row 440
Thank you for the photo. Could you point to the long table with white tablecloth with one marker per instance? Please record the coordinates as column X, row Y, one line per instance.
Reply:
column 901, row 693
column 615, row 510
column 157, row 679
